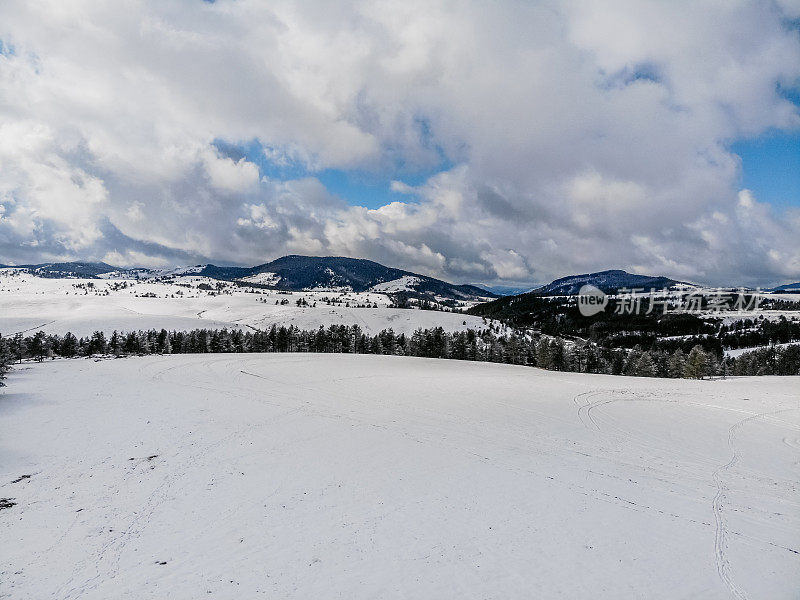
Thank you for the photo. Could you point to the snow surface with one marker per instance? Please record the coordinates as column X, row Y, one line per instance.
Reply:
column 339, row 476
column 262, row 278
column 145, row 273
column 736, row 352
column 406, row 283
column 29, row 303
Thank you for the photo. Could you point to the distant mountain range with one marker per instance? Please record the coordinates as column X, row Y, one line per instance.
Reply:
column 541, row 304
column 525, row 307
column 616, row 279
column 292, row 272
column 295, row 272
column 506, row 290
column 87, row 270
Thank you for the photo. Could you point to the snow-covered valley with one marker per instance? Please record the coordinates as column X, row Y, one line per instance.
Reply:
column 340, row 476
column 82, row 306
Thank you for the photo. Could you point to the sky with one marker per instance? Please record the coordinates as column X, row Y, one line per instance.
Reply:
column 509, row 142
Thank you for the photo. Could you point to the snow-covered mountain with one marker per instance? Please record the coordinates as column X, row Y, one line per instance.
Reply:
column 353, row 274
column 292, row 273
column 608, row 281
column 72, row 270
column 789, row 287
column 507, row 290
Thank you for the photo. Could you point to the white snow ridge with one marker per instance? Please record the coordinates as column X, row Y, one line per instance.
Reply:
column 262, row 278
column 406, row 283
column 361, row 476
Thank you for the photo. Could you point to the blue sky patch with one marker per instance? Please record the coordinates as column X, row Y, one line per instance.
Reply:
column 771, row 167
column 356, row 187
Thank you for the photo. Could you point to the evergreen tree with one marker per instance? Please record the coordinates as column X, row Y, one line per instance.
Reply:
column 115, row 344
column 696, row 364
column 677, row 363
column 69, row 345
column 631, row 360
column 97, row 344
column 645, row 367
column 617, row 364
column 166, row 346
column 712, row 367
column 6, row 358
column 543, row 354
column 19, row 347
column 39, row 346
column 558, row 355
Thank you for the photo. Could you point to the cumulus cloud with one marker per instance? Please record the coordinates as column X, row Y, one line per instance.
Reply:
column 577, row 136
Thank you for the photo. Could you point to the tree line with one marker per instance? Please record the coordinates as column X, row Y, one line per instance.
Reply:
column 487, row 345
column 560, row 317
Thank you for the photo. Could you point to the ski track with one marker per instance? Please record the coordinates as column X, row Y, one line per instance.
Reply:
column 721, row 529
column 586, row 405
column 33, row 328
column 111, row 551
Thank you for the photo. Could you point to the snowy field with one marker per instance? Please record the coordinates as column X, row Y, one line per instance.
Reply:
column 29, row 303
column 337, row 476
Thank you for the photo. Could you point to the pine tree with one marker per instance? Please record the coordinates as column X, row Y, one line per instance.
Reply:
column 645, row 367
column 543, row 354
column 617, row 365
column 19, row 347
column 677, row 363
column 712, row 367
column 39, row 346
column 98, row 344
column 631, row 359
column 558, row 355
column 115, row 345
column 696, row 363
column 6, row 358
column 69, row 345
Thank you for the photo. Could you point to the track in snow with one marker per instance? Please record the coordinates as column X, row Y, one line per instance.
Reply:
column 361, row 476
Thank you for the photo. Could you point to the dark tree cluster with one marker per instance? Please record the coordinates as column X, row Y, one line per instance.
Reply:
column 772, row 360
column 655, row 332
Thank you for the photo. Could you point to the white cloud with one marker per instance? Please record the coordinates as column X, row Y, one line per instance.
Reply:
column 585, row 136
column 231, row 176
column 132, row 258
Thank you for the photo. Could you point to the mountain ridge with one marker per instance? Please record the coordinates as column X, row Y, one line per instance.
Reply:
column 531, row 305
column 292, row 273
column 608, row 281
column 364, row 273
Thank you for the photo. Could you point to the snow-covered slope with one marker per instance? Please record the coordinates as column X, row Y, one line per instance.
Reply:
column 266, row 278
column 331, row 476
column 789, row 287
column 736, row 352
column 405, row 283
column 29, row 303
